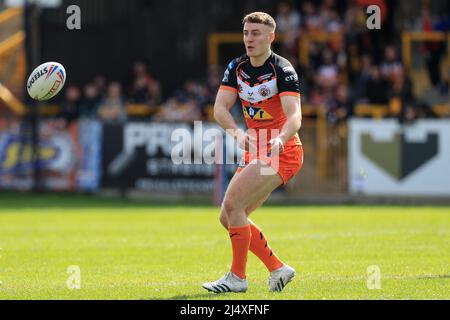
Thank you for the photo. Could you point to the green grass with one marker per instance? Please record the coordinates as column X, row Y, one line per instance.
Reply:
column 142, row 251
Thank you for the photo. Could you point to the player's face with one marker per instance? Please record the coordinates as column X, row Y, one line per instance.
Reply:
column 257, row 38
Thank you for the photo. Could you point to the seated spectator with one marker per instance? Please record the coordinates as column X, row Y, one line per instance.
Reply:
column 327, row 74
column 400, row 95
column 362, row 77
column 90, row 102
column 101, row 85
column 334, row 23
column 154, row 95
column 196, row 93
column 338, row 46
column 311, row 21
column 376, row 87
column 340, row 106
column 179, row 110
column 112, row 108
column 355, row 19
column 288, row 22
column 391, row 66
column 215, row 75
column 139, row 91
column 329, row 17
column 315, row 96
column 71, row 104
column 315, row 57
column 139, row 81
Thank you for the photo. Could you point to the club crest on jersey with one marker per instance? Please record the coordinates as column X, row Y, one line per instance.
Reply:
column 264, row 91
column 258, row 114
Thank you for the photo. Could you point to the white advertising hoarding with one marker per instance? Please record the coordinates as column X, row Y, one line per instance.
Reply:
column 389, row 158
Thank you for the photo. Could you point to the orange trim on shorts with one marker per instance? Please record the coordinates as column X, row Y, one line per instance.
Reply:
column 288, row 93
column 228, row 88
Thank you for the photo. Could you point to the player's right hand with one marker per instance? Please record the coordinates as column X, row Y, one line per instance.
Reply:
column 246, row 142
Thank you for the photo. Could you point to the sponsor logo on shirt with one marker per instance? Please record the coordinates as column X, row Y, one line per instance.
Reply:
column 292, row 77
column 258, row 114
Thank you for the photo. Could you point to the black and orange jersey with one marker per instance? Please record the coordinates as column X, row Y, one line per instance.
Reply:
column 260, row 89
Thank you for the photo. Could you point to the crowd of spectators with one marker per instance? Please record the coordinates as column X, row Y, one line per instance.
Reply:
column 358, row 67
column 361, row 66
column 113, row 101
column 108, row 100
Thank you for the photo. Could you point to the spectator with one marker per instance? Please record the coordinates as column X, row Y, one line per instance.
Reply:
column 215, row 74
column 312, row 20
column 327, row 75
column 140, row 72
column 91, row 101
column 143, row 88
column 376, row 87
column 362, row 78
column 329, row 17
column 154, row 95
column 112, row 108
column 391, row 66
column 288, row 22
column 355, row 19
column 315, row 56
column 334, row 23
column 194, row 93
column 340, row 106
column 71, row 105
column 101, row 84
column 400, row 96
column 139, row 92
column 177, row 110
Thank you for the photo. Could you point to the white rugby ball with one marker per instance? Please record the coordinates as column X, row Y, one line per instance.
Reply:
column 46, row 81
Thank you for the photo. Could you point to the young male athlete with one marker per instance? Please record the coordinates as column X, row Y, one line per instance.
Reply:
column 268, row 88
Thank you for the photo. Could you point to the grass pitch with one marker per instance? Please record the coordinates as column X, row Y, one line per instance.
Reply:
column 142, row 251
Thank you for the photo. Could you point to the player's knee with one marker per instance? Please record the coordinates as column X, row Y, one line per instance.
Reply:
column 224, row 219
column 230, row 206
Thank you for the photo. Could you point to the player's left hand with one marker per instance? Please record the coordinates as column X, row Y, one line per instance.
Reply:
column 276, row 147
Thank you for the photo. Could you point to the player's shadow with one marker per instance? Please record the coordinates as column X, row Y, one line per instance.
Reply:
column 187, row 297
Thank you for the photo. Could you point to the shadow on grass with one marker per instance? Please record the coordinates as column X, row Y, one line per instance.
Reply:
column 433, row 276
column 199, row 296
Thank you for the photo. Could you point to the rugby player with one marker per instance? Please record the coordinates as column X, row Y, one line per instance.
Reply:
column 268, row 88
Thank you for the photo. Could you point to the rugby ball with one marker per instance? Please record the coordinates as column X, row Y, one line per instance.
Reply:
column 46, row 81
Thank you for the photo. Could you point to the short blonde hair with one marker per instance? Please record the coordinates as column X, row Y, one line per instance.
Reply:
column 260, row 17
